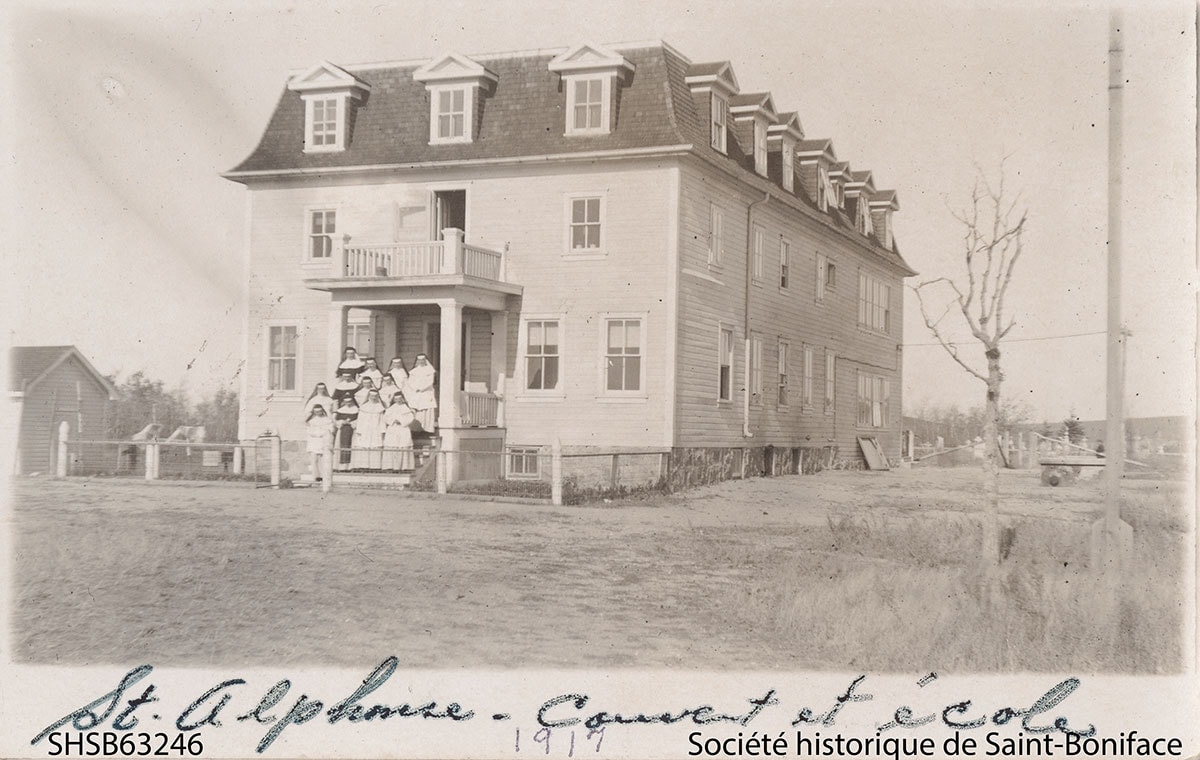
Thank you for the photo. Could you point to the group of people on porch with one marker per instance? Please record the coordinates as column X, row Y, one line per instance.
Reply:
column 368, row 421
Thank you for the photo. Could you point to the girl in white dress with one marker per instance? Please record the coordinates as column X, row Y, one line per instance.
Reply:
column 397, row 435
column 320, row 444
column 368, row 434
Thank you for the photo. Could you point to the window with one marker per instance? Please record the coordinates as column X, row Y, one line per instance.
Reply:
column 324, row 122
column 789, row 166
column 523, row 462
column 874, row 303
column 756, row 380
column 725, row 363
column 874, row 397
column 281, row 358
column 830, row 375
column 585, row 225
column 541, row 355
column 785, row 254
column 826, row 193
column 783, row 376
column 322, row 224
column 759, row 244
column 760, row 147
column 826, row 276
column 864, row 217
column 719, row 129
column 716, row 234
column 358, row 335
column 586, row 106
column 450, row 115
column 807, row 394
column 623, row 355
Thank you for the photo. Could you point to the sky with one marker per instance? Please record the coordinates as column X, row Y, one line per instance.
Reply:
column 125, row 241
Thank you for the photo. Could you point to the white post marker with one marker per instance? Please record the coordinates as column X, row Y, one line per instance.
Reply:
column 556, row 485
column 276, row 460
column 60, row 467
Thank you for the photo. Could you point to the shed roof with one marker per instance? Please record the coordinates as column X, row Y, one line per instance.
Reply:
column 29, row 365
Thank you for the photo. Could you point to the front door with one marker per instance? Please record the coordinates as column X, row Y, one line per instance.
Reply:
column 433, row 348
column 449, row 210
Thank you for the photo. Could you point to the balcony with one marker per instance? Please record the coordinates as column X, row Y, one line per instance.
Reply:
column 432, row 265
column 479, row 409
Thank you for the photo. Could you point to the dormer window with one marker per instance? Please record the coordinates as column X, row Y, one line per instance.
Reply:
column 324, row 125
column 451, row 116
column 787, row 132
column 881, row 207
column 587, row 106
column 752, row 113
column 760, row 147
column 329, row 93
column 590, row 77
column 824, row 190
column 714, row 83
column 864, row 217
column 455, row 84
column 588, row 101
column 719, row 130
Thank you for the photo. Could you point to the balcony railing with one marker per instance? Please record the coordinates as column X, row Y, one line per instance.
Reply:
column 479, row 409
column 448, row 256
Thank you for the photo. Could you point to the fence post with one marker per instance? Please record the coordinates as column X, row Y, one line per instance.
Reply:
column 442, row 487
column 276, row 459
column 614, row 475
column 239, row 459
column 326, row 471
column 60, row 466
column 151, row 461
column 556, row 484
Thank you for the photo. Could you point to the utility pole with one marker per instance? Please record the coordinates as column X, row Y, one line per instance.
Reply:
column 1112, row 538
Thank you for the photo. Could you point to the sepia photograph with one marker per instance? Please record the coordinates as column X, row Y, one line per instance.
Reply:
column 602, row 379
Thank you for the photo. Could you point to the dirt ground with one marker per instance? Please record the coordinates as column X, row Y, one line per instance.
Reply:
column 197, row 573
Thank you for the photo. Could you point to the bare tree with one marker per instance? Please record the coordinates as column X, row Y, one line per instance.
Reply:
column 993, row 228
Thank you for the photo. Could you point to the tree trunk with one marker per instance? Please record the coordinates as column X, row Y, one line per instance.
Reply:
column 990, row 554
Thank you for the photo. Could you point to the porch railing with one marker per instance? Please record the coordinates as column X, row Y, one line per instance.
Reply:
column 479, row 409
column 450, row 255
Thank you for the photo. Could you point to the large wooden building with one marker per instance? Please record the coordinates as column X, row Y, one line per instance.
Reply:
column 52, row 385
column 612, row 246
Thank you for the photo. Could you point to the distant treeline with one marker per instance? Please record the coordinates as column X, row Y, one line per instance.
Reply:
column 142, row 401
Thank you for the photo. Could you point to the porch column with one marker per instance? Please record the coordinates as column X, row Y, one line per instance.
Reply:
column 449, row 373
column 387, row 348
column 337, row 338
column 499, row 361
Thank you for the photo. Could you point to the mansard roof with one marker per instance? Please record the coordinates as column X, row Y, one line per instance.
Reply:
column 522, row 117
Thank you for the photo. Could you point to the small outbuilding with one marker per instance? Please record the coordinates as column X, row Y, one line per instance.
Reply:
column 51, row 385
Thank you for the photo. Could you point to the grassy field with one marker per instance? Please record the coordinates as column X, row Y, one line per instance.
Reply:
column 871, row 571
